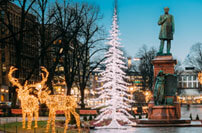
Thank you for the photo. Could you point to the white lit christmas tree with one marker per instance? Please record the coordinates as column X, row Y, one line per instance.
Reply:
column 114, row 89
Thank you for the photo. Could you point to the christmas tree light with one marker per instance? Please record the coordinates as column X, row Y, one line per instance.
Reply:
column 114, row 90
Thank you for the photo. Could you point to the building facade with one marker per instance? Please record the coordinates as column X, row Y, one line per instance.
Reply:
column 10, row 21
column 134, row 80
column 189, row 87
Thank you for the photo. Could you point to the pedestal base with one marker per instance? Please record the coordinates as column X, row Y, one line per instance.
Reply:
column 163, row 112
column 167, row 123
column 178, row 121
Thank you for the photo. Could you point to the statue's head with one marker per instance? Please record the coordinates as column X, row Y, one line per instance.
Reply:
column 160, row 73
column 166, row 10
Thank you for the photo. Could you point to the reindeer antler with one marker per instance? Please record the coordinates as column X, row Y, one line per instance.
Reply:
column 13, row 80
column 41, row 84
column 44, row 77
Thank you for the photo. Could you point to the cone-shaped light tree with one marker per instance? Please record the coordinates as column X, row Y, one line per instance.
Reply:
column 114, row 90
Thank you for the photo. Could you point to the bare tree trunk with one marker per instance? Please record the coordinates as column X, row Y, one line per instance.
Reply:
column 82, row 90
column 18, row 47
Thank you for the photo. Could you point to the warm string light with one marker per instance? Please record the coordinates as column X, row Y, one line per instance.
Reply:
column 29, row 103
column 148, row 95
column 200, row 80
column 67, row 104
column 200, row 77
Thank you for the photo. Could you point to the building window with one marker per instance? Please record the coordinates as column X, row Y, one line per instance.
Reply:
column 4, row 67
column 184, row 78
column 194, row 84
column 61, row 69
column 180, row 84
column 189, row 85
column 3, row 59
column 198, row 85
column 3, row 30
column 3, row 56
column 184, row 85
column 194, row 77
column 179, row 78
column 2, row 13
column 189, row 78
column 96, row 77
column 2, row 45
column 2, row 98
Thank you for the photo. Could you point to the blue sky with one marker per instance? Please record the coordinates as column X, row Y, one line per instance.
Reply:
column 138, row 23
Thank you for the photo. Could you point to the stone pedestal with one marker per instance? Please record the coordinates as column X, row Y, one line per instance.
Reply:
column 164, row 112
column 165, row 63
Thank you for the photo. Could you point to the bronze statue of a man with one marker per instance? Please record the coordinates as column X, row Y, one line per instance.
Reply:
column 167, row 30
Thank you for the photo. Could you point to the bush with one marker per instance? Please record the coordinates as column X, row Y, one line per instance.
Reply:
column 73, row 120
column 140, row 116
column 197, row 117
column 190, row 116
column 90, row 118
column 85, row 118
column 147, row 115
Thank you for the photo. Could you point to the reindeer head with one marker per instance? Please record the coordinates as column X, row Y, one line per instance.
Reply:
column 41, row 92
column 22, row 91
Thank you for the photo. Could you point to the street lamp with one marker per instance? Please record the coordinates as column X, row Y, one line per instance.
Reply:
column 129, row 62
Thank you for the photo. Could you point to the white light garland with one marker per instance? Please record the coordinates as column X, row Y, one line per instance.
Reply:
column 114, row 90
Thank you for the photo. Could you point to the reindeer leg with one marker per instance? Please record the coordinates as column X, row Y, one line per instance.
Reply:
column 30, row 115
column 53, row 122
column 77, row 117
column 49, row 121
column 68, row 118
column 36, row 114
column 23, row 119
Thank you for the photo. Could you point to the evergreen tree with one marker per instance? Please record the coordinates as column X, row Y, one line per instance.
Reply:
column 114, row 90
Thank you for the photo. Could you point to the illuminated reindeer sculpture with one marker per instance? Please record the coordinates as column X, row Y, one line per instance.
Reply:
column 29, row 103
column 64, row 103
